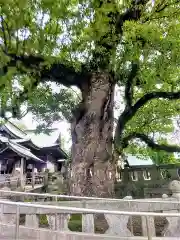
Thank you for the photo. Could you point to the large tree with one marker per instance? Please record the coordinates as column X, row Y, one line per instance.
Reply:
column 93, row 45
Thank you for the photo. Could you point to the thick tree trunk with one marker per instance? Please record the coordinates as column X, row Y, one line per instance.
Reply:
column 92, row 166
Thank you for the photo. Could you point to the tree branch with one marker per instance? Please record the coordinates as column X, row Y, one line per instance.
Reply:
column 4, row 34
column 36, row 66
column 162, row 6
column 154, row 95
column 135, row 12
column 129, row 85
column 132, row 13
column 150, row 142
column 57, row 72
column 128, row 114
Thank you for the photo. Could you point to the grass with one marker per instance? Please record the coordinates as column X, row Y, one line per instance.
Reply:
column 75, row 223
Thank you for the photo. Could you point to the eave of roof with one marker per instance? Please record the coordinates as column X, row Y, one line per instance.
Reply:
column 19, row 149
column 22, row 137
column 25, row 152
column 14, row 130
column 54, row 146
column 57, row 147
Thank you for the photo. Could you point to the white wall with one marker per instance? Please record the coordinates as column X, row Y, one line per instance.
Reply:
column 50, row 166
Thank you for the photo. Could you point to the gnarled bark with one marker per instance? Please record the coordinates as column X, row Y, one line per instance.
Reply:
column 92, row 128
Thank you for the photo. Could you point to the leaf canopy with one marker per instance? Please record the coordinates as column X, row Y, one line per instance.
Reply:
column 96, row 36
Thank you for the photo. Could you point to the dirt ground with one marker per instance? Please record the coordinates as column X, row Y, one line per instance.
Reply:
column 160, row 224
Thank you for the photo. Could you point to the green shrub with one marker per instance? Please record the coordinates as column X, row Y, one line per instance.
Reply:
column 43, row 222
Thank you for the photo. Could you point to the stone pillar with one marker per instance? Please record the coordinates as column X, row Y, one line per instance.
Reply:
column 118, row 225
column 22, row 173
column 51, row 221
column 31, row 221
column 173, row 229
column 88, row 223
column 6, row 218
column 62, row 222
column 58, row 222
column 148, row 225
column 174, row 187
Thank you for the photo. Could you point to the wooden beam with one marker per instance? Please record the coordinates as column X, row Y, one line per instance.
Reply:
column 22, row 173
column 33, row 176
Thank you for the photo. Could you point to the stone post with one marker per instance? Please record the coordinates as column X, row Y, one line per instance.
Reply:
column 118, row 224
column 31, row 221
column 148, row 223
column 6, row 218
column 87, row 221
column 174, row 187
column 172, row 229
column 58, row 221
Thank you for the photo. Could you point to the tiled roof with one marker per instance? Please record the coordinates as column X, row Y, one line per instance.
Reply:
column 44, row 140
column 137, row 161
column 15, row 130
column 40, row 140
column 25, row 152
column 21, row 150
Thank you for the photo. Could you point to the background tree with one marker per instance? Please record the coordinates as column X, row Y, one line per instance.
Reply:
column 158, row 157
column 92, row 45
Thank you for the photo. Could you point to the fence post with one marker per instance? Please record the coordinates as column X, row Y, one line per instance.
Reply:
column 87, row 221
column 1, row 217
column 148, row 224
column 17, row 223
column 148, row 228
column 131, row 218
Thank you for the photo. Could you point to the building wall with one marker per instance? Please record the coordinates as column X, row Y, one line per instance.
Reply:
column 50, row 166
column 146, row 181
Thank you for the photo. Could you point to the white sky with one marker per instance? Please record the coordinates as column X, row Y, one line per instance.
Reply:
column 62, row 126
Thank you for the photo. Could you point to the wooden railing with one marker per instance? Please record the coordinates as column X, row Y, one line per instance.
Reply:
column 14, row 182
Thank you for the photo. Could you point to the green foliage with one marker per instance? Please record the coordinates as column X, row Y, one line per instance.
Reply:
column 50, row 106
column 158, row 157
column 156, row 116
column 71, row 32
column 162, row 157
